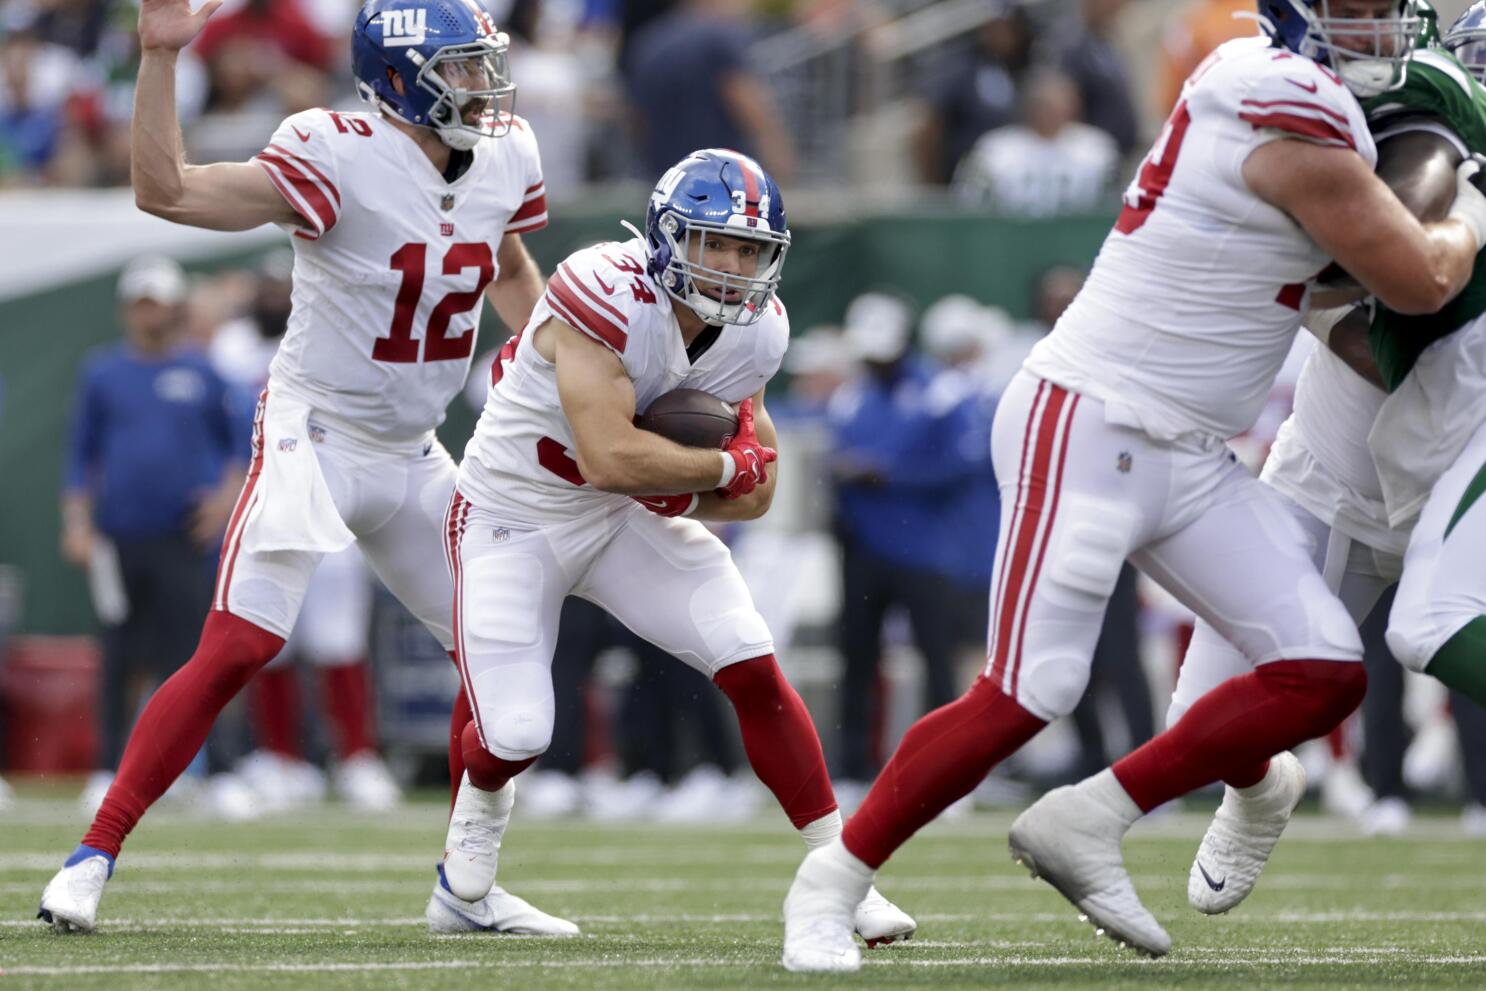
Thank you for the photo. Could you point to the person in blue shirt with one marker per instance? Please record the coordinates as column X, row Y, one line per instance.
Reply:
column 153, row 465
column 688, row 75
column 899, row 463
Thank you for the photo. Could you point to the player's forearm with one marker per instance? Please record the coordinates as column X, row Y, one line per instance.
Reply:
column 157, row 163
column 1453, row 248
column 639, row 463
column 514, row 294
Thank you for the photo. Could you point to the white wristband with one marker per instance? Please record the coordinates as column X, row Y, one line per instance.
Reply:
column 729, row 469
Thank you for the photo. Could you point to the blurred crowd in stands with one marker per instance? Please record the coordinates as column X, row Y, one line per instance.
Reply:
column 1026, row 106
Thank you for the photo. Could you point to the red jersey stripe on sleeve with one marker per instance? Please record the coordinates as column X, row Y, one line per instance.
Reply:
column 571, row 279
column 299, row 192
column 1311, row 128
column 308, row 167
column 529, row 211
column 572, row 307
column 1299, row 104
column 527, row 226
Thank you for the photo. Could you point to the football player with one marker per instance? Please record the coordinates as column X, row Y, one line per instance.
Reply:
column 1321, row 463
column 560, row 494
column 1110, row 445
column 402, row 219
column 1380, row 506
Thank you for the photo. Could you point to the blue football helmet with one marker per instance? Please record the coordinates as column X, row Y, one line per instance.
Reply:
column 711, row 192
column 1466, row 39
column 452, row 61
column 1376, row 56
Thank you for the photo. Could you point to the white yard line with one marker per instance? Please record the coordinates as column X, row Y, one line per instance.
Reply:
column 311, row 924
column 891, row 959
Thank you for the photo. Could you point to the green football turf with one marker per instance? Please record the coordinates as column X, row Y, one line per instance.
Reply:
column 327, row 900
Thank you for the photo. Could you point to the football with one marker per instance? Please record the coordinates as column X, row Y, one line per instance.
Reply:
column 692, row 418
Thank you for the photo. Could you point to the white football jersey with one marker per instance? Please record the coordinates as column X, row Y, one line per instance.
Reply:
column 390, row 263
column 1320, row 458
column 1198, row 291
column 521, row 463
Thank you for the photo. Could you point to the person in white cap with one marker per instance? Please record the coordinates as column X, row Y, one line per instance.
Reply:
column 896, row 467
column 154, row 461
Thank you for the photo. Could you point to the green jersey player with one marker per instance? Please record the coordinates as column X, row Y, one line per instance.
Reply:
column 1429, row 439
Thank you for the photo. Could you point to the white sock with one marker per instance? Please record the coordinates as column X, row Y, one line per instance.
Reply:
column 822, row 831
column 1260, row 790
column 1106, row 788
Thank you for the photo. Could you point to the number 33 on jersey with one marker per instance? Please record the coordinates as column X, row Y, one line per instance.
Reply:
column 391, row 262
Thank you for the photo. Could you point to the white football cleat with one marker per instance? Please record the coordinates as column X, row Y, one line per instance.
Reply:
column 472, row 849
column 69, row 902
column 498, row 912
column 1237, row 845
column 881, row 923
column 364, row 782
column 1070, row 838
column 819, row 912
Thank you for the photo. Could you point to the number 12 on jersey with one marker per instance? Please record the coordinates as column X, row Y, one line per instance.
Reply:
column 399, row 345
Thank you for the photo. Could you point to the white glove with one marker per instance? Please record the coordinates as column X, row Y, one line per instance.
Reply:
column 1470, row 205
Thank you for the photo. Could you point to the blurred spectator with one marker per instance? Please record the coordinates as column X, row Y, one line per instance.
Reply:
column 154, row 464
column 1192, row 35
column 961, row 335
column 553, row 93
column 979, row 92
column 1049, row 164
column 1085, row 48
column 688, row 75
column 896, row 462
column 265, row 59
column 37, row 83
column 74, row 24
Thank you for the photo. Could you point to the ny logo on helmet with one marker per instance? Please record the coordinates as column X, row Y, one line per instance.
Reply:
column 404, row 28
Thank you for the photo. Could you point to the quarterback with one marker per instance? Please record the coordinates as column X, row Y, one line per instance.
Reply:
column 1110, row 444
column 401, row 220
column 560, row 494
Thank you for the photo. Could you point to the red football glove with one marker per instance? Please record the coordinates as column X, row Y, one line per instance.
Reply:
column 750, row 458
column 669, row 505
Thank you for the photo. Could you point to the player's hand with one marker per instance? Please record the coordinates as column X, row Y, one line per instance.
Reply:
column 750, row 458
column 77, row 545
column 670, row 505
column 169, row 25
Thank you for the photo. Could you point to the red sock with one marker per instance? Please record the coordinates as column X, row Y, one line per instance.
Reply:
column 942, row 758
column 458, row 720
column 346, row 694
column 273, row 699
column 779, row 738
column 486, row 770
column 1239, row 725
column 174, row 724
